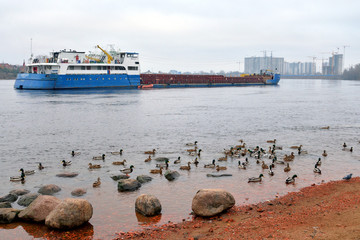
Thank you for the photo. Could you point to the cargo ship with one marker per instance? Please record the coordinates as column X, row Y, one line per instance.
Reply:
column 70, row 69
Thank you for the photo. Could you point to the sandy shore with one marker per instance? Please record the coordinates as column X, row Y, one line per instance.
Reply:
column 327, row 211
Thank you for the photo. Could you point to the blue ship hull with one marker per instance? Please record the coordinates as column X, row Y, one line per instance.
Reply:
column 54, row 81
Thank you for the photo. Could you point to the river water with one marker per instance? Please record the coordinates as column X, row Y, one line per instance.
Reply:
column 45, row 126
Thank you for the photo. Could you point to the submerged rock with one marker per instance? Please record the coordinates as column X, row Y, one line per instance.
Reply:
column 39, row 209
column 70, row 213
column 7, row 215
column 19, row 192
column 210, row 202
column 144, row 178
column 219, row 175
column 127, row 185
column 78, row 192
column 171, row 175
column 162, row 159
column 9, row 198
column 148, row 205
column 67, row 175
column 27, row 199
column 119, row 177
column 49, row 189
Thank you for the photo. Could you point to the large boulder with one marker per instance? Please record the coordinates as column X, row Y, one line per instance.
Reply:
column 171, row 175
column 119, row 177
column 19, row 192
column 39, row 208
column 144, row 178
column 67, row 174
column 128, row 185
column 5, row 205
column 148, row 205
column 26, row 199
column 70, row 213
column 210, row 202
column 7, row 215
column 49, row 189
column 9, row 198
column 78, row 192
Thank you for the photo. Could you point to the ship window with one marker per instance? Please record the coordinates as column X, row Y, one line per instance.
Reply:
column 132, row 68
column 136, row 62
column 104, row 68
column 70, row 67
column 82, row 67
column 88, row 67
column 98, row 68
column 120, row 68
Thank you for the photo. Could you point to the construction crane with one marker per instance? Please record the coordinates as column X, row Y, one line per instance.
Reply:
column 109, row 57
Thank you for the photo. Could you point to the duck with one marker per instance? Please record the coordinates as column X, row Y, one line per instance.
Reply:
column 350, row 149
column 18, row 179
column 264, row 166
column 195, row 153
column 222, row 159
column 271, row 141
column 156, row 171
column 290, row 157
column 191, row 144
column 40, row 166
column 177, row 161
column 277, row 161
column 271, row 173
column 246, row 162
column 290, row 179
column 66, row 163
column 219, row 168
column 150, row 152
column 196, row 162
column 95, row 166
column 348, row 177
column 318, row 162
column 344, row 145
column 296, row 147
column 186, row 167
column 117, row 153
column 119, row 162
column 327, row 127
column 148, row 159
column 316, row 169
column 287, row 168
column 73, row 153
column 163, row 165
column 241, row 165
column 127, row 170
column 324, row 153
column 210, row 165
column 192, row 150
column 97, row 183
column 256, row 179
column 102, row 157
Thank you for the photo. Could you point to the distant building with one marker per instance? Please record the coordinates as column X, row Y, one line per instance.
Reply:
column 299, row 68
column 255, row 64
column 334, row 66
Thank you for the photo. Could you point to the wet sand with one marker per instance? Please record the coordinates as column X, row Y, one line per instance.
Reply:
column 326, row 211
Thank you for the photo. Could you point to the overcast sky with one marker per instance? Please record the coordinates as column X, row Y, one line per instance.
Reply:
column 186, row 35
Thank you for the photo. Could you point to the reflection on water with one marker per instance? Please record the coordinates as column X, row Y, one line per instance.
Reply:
column 45, row 126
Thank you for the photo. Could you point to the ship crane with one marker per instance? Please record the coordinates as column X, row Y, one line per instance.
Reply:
column 109, row 57
column 92, row 58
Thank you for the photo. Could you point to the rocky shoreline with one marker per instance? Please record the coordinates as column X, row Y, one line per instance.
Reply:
column 325, row 211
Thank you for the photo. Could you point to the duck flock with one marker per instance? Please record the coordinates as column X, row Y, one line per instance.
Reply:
column 246, row 157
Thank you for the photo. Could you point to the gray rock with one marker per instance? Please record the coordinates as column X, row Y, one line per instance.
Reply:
column 39, row 209
column 67, row 175
column 69, row 214
column 78, row 192
column 9, row 198
column 171, row 175
column 49, row 189
column 144, row 178
column 5, row 205
column 19, row 192
column 148, row 205
column 26, row 199
column 127, row 185
column 161, row 159
column 219, row 175
column 119, row 177
column 210, row 202
column 7, row 215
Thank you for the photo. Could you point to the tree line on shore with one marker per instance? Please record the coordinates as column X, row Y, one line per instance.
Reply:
column 353, row 73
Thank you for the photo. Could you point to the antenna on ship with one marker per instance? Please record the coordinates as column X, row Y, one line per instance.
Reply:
column 31, row 48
